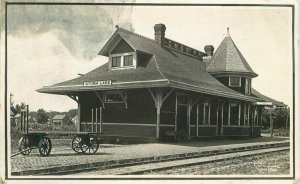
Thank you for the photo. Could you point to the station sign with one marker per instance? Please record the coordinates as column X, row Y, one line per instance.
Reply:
column 97, row 83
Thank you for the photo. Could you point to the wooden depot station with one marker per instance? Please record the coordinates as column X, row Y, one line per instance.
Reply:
column 152, row 89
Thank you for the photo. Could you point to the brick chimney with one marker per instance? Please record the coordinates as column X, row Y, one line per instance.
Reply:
column 209, row 50
column 159, row 33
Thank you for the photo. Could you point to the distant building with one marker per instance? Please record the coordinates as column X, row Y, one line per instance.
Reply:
column 60, row 120
column 31, row 119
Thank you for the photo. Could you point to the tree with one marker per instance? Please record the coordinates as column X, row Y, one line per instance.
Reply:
column 19, row 107
column 72, row 113
column 280, row 117
column 41, row 116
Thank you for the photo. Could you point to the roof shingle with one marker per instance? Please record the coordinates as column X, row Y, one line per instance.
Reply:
column 228, row 59
column 167, row 68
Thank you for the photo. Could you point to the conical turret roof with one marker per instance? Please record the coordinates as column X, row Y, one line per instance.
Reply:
column 228, row 59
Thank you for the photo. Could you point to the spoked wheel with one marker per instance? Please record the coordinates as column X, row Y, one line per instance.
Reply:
column 90, row 145
column 76, row 144
column 45, row 146
column 24, row 146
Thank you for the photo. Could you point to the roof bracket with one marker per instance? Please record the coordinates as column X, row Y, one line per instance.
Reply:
column 195, row 101
column 101, row 100
column 167, row 95
column 124, row 99
column 152, row 95
column 73, row 97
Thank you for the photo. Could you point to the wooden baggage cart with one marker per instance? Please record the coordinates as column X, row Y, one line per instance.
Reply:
column 82, row 142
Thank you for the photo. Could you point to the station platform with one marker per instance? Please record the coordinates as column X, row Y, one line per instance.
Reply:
column 62, row 158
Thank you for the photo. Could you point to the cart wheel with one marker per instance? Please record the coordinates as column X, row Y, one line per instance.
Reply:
column 90, row 146
column 24, row 145
column 45, row 146
column 76, row 144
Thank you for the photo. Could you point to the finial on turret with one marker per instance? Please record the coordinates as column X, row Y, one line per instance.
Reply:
column 228, row 35
column 117, row 26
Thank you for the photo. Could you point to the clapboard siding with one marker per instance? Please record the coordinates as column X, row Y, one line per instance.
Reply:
column 207, row 131
column 237, row 131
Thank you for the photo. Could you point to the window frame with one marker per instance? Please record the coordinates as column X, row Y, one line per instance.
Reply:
column 112, row 61
column 107, row 93
column 122, row 60
column 232, row 85
column 247, row 86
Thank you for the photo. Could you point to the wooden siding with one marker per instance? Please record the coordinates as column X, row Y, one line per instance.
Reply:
column 207, row 131
column 256, row 131
column 236, row 131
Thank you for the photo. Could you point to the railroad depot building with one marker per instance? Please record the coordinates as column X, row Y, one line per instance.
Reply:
column 156, row 88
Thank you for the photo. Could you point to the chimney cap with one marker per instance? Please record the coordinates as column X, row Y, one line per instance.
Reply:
column 160, row 27
column 209, row 50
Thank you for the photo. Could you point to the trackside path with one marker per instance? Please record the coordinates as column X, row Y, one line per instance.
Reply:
column 63, row 159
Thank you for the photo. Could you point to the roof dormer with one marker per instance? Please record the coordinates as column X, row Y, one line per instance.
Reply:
column 122, row 56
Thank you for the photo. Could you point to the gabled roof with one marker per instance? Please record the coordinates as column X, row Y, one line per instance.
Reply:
column 59, row 117
column 166, row 68
column 228, row 59
column 267, row 99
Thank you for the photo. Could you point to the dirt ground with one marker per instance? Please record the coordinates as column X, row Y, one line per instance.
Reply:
column 268, row 164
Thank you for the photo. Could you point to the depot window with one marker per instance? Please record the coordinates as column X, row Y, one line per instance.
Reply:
column 128, row 60
column 247, row 86
column 235, row 81
column 115, row 97
column 116, row 61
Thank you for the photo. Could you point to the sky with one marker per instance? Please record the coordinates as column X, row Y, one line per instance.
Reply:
column 48, row 44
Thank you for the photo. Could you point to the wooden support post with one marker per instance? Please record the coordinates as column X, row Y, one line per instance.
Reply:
column 239, row 114
column 189, row 117
column 217, row 128
column 96, row 120
column 197, row 122
column 222, row 116
column 248, row 117
column 209, row 112
column 252, row 122
column 229, row 113
column 176, row 114
column 257, row 115
column 244, row 115
column 158, row 101
column 78, row 116
column 27, row 113
column 158, row 97
column 92, row 120
column 100, row 119
column 101, row 100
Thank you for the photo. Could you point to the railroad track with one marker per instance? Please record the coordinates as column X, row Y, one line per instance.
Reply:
column 140, row 169
column 139, row 166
